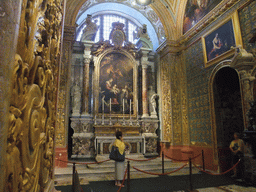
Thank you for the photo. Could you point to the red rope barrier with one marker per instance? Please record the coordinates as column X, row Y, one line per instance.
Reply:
column 83, row 163
column 141, row 159
column 181, row 160
column 150, row 173
column 123, row 181
column 217, row 173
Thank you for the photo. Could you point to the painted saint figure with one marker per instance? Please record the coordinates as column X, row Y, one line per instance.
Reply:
column 217, row 45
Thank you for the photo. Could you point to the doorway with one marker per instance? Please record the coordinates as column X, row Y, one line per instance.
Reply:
column 228, row 112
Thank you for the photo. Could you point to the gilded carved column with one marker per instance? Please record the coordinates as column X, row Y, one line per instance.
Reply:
column 32, row 55
column 144, row 91
column 63, row 96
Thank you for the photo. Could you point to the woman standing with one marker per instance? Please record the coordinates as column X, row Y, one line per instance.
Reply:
column 237, row 148
column 119, row 165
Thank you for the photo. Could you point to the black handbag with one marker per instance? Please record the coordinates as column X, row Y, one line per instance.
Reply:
column 116, row 155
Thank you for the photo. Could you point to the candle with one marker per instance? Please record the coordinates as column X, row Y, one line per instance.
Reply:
column 130, row 106
column 103, row 105
column 123, row 105
column 110, row 105
column 137, row 106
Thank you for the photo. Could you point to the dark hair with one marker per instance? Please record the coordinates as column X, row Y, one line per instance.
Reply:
column 237, row 134
column 119, row 134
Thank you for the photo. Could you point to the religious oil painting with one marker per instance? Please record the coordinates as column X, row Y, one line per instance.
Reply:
column 196, row 10
column 116, row 84
column 219, row 42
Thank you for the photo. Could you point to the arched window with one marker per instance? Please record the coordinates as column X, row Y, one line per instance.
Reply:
column 105, row 21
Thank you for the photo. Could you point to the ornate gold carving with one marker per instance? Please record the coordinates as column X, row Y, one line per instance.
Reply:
column 184, row 105
column 166, row 101
column 32, row 107
column 62, row 96
column 100, row 47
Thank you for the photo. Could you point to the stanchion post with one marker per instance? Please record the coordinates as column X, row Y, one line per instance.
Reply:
column 190, row 175
column 128, row 176
column 162, row 162
column 73, row 177
column 203, row 160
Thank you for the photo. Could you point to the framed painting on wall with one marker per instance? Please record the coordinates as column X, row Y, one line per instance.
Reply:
column 218, row 43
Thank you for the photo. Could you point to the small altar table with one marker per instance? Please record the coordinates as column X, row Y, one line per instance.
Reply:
column 105, row 137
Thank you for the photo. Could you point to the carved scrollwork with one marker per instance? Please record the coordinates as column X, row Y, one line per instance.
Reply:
column 149, row 127
column 82, row 146
column 32, row 118
column 151, row 145
column 86, row 127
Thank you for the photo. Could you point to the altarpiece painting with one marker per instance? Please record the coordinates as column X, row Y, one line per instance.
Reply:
column 116, row 73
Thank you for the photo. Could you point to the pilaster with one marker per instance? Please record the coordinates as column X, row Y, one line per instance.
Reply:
column 63, row 96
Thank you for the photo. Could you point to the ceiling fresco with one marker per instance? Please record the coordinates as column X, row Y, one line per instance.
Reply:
column 196, row 10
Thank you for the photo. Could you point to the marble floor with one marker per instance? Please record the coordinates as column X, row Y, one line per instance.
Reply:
column 104, row 172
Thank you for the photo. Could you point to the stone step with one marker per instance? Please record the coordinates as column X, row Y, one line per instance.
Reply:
column 111, row 164
column 109, row 168
column 105, row 170
column 110, row 173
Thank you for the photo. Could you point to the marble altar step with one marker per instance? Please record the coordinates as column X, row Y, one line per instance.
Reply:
column 105, row 171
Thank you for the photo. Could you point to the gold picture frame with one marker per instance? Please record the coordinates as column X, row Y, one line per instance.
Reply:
column 218, row 42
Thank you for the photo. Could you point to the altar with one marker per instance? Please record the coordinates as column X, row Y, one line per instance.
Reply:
column 113, row 89
column 105, row 137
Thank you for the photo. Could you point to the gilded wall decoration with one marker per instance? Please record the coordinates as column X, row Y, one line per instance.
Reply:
column 175, row 69
column 167, row 134
column 62, row 97
column 184, row 103
column 32, row 109
column 248, row 24
column 198, row 96
column 174, row 104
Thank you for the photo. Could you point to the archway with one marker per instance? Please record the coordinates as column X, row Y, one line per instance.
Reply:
column 228, row 112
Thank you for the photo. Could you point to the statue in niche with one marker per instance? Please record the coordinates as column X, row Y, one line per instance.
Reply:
column 141, row 32
column 76, row 93
column 153, row 103
column 152, row 95
column 90, row 30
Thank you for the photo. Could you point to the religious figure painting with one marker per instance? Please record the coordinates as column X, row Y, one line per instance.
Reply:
column 220, row 41
column 116, row 84
column 196, row 10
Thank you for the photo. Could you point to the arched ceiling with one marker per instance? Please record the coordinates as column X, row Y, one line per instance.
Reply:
column 166, row 16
